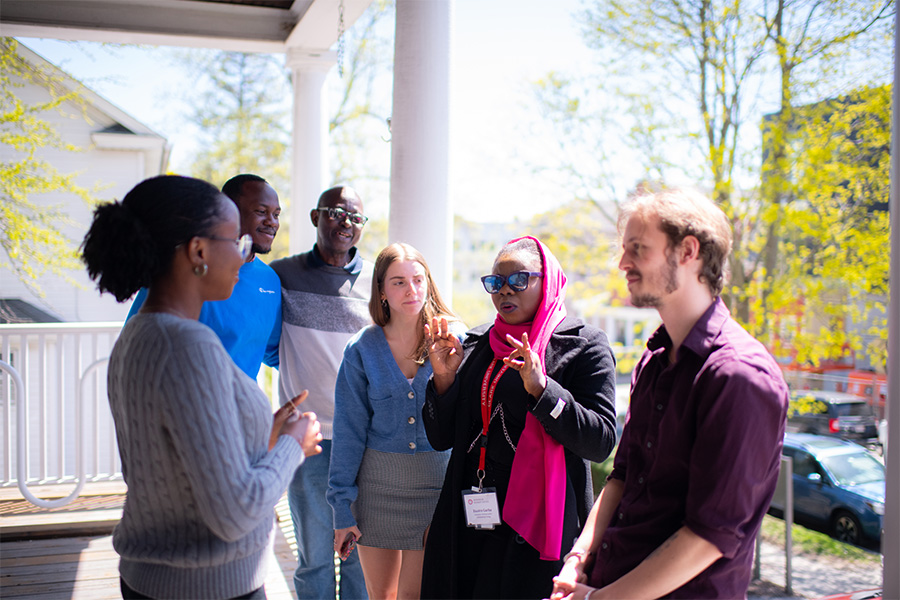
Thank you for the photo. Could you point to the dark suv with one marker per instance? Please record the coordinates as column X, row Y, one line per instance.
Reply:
column 832, row 413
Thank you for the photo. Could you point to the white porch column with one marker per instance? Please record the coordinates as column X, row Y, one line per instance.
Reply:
column 309, row 162
column 420, row 212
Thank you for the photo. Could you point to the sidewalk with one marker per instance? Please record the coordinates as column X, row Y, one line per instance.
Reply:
column 813, row 576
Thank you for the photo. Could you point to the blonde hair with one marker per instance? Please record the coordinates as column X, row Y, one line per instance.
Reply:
column 682, row 213
column 434, row 303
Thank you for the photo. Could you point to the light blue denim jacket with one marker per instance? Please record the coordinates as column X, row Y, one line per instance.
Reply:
column 374, row 407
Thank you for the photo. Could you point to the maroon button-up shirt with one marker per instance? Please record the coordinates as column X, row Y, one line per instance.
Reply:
column 701, row 448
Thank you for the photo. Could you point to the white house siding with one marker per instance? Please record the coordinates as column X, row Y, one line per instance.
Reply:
column 114, row 171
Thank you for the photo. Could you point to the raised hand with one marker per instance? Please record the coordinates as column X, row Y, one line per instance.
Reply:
column 527, row 362
column 445, row 353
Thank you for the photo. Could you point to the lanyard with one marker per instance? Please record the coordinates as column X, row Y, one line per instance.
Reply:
column 487, row 401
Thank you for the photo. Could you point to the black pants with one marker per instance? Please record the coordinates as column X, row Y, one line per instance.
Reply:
column 130, row 594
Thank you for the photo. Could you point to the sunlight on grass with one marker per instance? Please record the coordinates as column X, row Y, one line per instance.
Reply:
column 807, row 541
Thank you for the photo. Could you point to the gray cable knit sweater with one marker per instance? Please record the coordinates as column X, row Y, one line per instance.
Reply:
column 193, row 434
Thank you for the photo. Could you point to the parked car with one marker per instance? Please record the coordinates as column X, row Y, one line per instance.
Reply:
column 833, row 413
column 838, row 487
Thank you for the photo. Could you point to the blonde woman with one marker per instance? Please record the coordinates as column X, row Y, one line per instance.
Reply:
column 385, row 477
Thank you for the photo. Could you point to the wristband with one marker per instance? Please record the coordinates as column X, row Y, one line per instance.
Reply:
column 588, row 595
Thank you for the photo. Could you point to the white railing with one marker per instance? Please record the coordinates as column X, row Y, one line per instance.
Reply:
column 60, row 429
column 55, row 423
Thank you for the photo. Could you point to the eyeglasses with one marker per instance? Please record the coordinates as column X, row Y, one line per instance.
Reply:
column 518, row 281
column 339, row 214
column 244, row 243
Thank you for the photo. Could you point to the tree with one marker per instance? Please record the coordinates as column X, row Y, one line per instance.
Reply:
column 241, row 116
column 679, row 72
column 827, row 298
column 33, row 237
column 804, row 34
column 241, row 110
column 694, row 71
column 585, row 245
column 361, row 99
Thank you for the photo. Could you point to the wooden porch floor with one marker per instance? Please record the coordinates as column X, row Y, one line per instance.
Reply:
column 62, row 559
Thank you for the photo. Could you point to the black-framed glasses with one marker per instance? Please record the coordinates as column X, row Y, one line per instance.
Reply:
column 339, row 214
column 243, row 243
column 518, row 281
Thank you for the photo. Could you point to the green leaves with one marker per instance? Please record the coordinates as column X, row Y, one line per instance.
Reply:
column 33, row 235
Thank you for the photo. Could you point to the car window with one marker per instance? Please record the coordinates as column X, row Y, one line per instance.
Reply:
column 804, row 464
column 852, row 409
column 854, row 469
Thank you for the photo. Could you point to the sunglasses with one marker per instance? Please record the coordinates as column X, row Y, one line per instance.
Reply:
column 518, row 281
column 339, row 214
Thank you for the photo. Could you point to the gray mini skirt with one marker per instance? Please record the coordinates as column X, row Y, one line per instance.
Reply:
column 397, row 496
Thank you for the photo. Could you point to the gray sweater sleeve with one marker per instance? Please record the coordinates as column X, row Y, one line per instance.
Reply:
column 221, row 440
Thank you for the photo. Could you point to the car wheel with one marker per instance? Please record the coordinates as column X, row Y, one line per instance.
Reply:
column 845, row 527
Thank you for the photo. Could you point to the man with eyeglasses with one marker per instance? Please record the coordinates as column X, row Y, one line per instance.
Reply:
column 325, row 298
column 249, row 322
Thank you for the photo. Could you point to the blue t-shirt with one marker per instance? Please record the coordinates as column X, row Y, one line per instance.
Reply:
column 249, row 322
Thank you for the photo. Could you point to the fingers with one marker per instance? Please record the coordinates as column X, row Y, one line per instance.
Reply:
column 299, row 398
column 439, row 328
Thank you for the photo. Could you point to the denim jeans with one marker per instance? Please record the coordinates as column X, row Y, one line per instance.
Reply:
column 314, row 529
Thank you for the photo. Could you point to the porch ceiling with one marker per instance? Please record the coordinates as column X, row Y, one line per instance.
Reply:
column 243, row 25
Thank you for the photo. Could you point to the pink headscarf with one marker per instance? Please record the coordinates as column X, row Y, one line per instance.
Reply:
column 535, row 500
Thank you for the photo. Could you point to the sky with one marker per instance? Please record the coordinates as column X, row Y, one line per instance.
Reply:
column 498, row 47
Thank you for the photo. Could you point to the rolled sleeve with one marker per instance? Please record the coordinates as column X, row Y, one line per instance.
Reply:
column 727, row 483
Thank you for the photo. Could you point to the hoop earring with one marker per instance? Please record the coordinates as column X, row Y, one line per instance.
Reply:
column 385, row 307
column 201, row 270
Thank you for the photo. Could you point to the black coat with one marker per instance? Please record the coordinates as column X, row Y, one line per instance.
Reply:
column 581, row 371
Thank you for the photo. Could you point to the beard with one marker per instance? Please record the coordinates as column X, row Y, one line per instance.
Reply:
column 666, row 275
column 257, row 249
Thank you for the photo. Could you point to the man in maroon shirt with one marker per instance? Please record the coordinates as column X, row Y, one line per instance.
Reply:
column 698, row 460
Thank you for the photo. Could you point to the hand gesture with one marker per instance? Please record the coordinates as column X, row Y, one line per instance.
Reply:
column 303, row 427
column 527, row 362
column 445, row 353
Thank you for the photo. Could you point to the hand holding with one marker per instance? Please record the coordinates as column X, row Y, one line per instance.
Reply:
column 579, row 591
column 307, row 433
column 571, row 577
column 287, row 412
column 303, row 427
column 527, row 362
column 342, row 544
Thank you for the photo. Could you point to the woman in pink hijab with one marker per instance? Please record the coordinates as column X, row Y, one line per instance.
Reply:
column 524, row 403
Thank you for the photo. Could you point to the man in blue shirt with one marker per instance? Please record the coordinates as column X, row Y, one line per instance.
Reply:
column 249, row 322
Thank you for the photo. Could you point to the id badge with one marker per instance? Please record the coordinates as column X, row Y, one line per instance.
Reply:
column 482, row 511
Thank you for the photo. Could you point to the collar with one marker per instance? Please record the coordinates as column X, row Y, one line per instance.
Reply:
column 354, row 267
column 249, row 264
column 701, row 338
